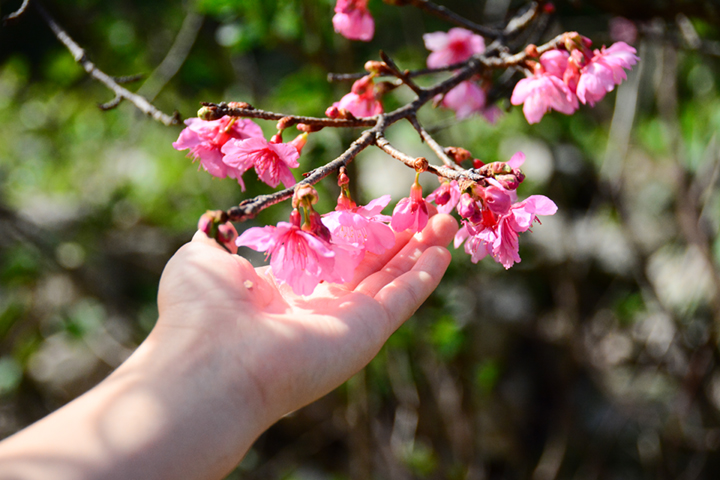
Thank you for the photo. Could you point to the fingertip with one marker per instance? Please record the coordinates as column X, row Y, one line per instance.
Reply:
column 201, row 237
column 440, row 230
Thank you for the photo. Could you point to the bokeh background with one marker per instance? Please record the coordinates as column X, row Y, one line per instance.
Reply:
column 596, row 357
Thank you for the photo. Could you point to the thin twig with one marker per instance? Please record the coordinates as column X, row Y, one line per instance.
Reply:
column 452, row 17
column 436, row 148
column 219, row 110
column 477, row 63
column 175, row 57
column 402, row 75
column 14, row 15
column 249, row 208
column 80, row 57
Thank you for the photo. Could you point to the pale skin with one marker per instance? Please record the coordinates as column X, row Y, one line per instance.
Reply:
column 230, row 355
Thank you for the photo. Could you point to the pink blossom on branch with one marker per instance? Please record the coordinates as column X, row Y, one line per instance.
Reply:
column 545, row 90
column 457, row 45
column 205, row 140
column 411, row 212
column 466, row 99
column 361, row 101
column 446, row 196
column 272, row 161
column 363, row 228
column 604, row 71
column 352, row 20
column 497, row 233
column 298, row 258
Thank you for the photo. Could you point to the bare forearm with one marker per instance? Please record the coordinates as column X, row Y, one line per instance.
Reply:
column 162, row 414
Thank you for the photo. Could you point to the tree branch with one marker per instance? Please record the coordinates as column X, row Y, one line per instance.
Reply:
column 80, row 57
column 14, row 15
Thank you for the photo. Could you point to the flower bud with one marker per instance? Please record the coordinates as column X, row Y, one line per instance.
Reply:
column 305, row 195
column 443, row 196
column 498, row 200
column 361, row 86
column 295, row 218
column 242, row 105
column 532, row 51
column 468, row 208
column 277, row 138
column 226, row 234
column 379, row 68
column 500, row 168
column 317, row 227
column 332, row 112
column 206, row 113
column 477, row 163
column 304, row 127
column 343, row 178
column 299, row 142
column 458, row 154
column 284, row 123
column 421, row 164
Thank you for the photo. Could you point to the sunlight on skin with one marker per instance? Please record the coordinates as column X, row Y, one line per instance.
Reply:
column 232, row 352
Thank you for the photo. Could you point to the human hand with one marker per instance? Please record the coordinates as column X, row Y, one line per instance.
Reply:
column 296, row 348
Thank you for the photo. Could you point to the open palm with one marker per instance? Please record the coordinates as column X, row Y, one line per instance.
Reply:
column 297, row 348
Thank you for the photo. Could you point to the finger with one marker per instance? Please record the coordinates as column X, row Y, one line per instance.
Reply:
column 404, row 295
column 372, row 262
column 203, row 238
column 438, row 232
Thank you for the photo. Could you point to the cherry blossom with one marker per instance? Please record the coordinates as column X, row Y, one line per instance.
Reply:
column 457, row 45
column 466, row 99
column 363, row 228
column 272, row 161
column 604, row 71
column 542, row 92
column 361, row 100
column 497, row 233
column 205, row 140
column 446, row 196
column 352, row 20
column 298, row 258
column 411, row 212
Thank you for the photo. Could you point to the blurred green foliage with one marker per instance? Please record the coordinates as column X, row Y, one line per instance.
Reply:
column 588, row 350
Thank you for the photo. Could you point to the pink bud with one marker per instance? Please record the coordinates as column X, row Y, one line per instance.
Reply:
column 332, row 112
column 468, row 208
column 227, row 234
column 277, row 138
column 299, row 142
column 295, row 218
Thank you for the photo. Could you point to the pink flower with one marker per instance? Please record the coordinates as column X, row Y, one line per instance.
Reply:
column 411, row 213
column 604, row 71
column 205, row 140
column 446, row 196
column 272, row 161
column 361, row 100
column 497, row 233
column 363, row 228
column 457, row 45
column 541, row 93
column 298, row 258
column 352, row 20
column 465, row 99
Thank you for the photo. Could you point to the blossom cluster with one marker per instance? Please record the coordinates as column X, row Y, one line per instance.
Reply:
column 559, row 79
column 562, row 77
column 311, row 248
column 328, row 248
column 229, row 147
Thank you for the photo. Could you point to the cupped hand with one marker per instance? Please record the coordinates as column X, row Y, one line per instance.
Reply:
column 297, row 348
